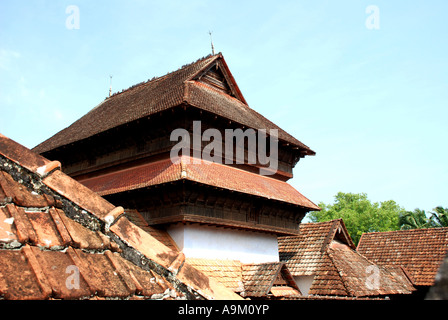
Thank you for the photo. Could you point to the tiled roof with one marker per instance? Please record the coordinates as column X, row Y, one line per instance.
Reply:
column 209, row 173
column 60, row 240
column 359, row 274
column 259, row 279
column 324, row 250
column 419, row 251
column 327, row 281
column 303, row 252
column 160, row 94
column 250, row 280
column 227, row 272
column 161, row 235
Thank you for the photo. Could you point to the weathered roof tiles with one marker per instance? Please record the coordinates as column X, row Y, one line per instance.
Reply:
column 325, row 251
column 419, row 251
column 173, row 89
column 60, row 240
column 209, row 173
column 254, row 280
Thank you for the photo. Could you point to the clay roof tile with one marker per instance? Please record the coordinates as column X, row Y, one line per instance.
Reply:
column 419, row 251
column 54, row 243
column 208, row 173
column 325, row 251
column 162, row 93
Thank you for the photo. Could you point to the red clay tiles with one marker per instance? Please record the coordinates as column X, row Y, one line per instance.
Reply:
column 363, row 278
column 84, row 238
column 160, row 94
column 327, row 281
column 48, row 256
column 21, row 285
column 260, row 278
column 203, row 284
column 264, row 280
column 145, row 243
column 49, row 249
column 161, row 235
column 164, row 256
column 80, row 195
column 209, row 173
column 303, row 253
column 134, row 103
column 419, row 251
column 12, row 191
column 20, row 154
column 134, row 178
column 51, row 246
column 7, row 234
column 284, row 291
column 227, row 272
column 325, row 251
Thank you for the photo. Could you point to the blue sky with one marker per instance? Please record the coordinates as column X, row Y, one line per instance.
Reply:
column 372, row 103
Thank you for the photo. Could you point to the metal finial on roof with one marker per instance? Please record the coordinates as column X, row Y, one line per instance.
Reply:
column 110, row 87
column 211, row 40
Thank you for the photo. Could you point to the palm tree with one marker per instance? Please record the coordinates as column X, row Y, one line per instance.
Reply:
column 414, row 220
column 440, row 217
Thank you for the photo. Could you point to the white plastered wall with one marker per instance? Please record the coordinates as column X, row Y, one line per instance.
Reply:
column 304, row 283
column 208, row 242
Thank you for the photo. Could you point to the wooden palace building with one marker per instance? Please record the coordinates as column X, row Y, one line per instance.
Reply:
column 220, row 206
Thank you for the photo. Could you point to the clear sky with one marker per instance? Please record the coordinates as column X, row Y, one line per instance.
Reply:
column 367, row 89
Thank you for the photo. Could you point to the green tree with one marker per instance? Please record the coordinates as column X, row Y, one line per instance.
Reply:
column 360, row 215
column 416, row 219
column 439, row 218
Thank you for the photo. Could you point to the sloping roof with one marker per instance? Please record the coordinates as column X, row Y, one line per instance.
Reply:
column 161, row 235
column 259, row 280
column 419, row 251
column 363, row 278
column 206, row 172
column 60, row 240
column 303, row 252
column 327, row 280
column 162, row 93
column 271, row 279
column 227, row 272
column 324, row 250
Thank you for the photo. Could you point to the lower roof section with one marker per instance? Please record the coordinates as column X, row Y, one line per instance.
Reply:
column 205, row 172
column 225, row 223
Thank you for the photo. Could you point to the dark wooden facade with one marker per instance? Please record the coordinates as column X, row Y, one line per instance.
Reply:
column 147, row 139
column 186, row 201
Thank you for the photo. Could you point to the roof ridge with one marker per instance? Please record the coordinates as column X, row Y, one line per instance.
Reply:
column 157, row 78
column 408, row 230
column 340, row 274
column 330, row 235
column 162, row 93
column 329, row 222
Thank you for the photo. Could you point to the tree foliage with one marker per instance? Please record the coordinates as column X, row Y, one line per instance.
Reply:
column 440, row 217
column 418, row 219
column 360, row 215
